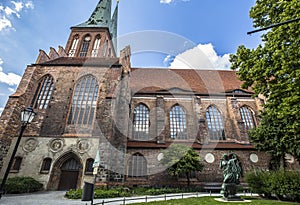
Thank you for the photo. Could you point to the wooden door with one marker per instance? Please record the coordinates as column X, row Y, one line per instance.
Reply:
column 69, row 175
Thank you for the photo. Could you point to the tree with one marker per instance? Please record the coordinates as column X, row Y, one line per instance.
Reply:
column 181, row 159
column 273, row 70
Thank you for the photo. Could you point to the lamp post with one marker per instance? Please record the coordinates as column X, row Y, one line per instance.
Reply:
column 27, row 116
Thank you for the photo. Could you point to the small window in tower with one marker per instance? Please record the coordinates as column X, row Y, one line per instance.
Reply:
column 96, row 47
column 89, row 166
column 74, row 46
column 85, row 46
column 16, row 164
column 43, row 92
column 46, row 165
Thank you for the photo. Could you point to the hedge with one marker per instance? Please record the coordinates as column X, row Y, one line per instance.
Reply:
column 18, row 185
column 284, row 185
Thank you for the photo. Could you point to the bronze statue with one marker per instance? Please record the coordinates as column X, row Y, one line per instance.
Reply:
column 232, row 173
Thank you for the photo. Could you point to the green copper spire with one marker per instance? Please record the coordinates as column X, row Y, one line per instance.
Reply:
column 114, row 27
column 101, row 17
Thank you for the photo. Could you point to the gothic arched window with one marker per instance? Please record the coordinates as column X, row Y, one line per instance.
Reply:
column 141, row 123
column 215, row 124
column 178, row 123
column 96, row 46
column 74, row 46
column 43, row 93
column 85, row 46
column 84, row 101
column 247, row 117
column 137, row 166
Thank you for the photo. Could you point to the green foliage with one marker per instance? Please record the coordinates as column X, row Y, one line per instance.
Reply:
column 99, row 193
column 285, row 185
column 162, row 191
column 181, row 159
column 212, row 201
column 111, row 193
column 17, row 185
column 273, row 69
column 74, row 194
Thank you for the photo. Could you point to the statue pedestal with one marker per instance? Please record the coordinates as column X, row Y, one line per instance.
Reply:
column 229, row 192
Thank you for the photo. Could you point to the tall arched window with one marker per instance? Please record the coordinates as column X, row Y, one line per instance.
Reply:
column 74, row 46
column 43, row 93
column 141, row 123
column 84, row 101
column 96, row 47
column 137, row 166
column 85, row 46
column 178, row 123
column 215, row 124
column 247, row 117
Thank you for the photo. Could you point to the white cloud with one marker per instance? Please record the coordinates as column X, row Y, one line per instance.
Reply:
column 18, row 6
column 1, row 110
column 11, row 79
column 202, row 56
column 15, row 7
column 4, row 23
column 172, row 1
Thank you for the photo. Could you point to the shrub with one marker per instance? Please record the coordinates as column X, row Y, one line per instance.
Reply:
column 284, row 185
column 17, row 185
column 74, row 194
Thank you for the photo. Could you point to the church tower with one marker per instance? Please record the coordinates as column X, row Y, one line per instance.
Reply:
column 75, row 92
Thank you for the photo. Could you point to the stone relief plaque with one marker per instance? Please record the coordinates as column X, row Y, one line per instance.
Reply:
column 160, row 156
column 254, row 158
column 30, row 145
column 56, row 145
column 209, row 158
column 83, row 146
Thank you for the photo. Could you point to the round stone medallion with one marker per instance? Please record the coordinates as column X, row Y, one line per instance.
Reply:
column 160, row 156
column 56, row 145
column 209, row 158
column 30, row 145
column 83, row 146
column 254, row 158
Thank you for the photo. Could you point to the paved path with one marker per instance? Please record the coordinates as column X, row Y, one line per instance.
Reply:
column 57, row 198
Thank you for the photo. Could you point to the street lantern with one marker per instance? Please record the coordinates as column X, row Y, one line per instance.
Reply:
column 27, row 116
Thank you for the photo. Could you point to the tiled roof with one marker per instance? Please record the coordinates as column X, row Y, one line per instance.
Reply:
column 150, row 80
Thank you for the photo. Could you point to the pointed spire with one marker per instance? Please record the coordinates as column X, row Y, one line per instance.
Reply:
column 101, row 17
column 114, row 27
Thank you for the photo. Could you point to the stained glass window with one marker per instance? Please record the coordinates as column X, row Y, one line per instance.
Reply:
column 84, row 101
column 247, row 117
column 43, row 93
column 141, row 123
column 178, row 123
column 215, row 124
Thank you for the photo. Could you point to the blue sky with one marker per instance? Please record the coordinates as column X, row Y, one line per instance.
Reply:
column 216, row 27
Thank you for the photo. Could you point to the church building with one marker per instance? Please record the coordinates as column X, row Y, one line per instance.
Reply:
column 89, row 99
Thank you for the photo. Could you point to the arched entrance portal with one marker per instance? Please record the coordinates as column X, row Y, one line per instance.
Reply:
column 66, row 173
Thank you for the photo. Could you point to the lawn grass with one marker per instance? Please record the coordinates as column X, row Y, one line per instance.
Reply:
column 212, row 201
